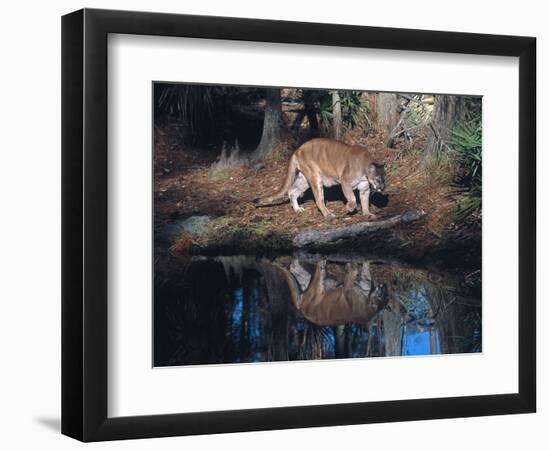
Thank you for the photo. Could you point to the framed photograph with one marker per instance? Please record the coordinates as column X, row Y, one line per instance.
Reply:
column 273, row 224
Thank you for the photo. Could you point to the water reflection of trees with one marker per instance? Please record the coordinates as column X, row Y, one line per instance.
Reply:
column 246, row 309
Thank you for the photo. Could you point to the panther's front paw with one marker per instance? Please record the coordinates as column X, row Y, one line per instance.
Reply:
column 350, row 208
column 369, row 215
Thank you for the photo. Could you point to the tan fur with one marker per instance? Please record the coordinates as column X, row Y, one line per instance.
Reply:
column 323, row 163
column 327, row 302
column 341, row 305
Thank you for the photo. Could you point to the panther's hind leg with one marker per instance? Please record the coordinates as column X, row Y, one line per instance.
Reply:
column 299, row 186
column 318, row 194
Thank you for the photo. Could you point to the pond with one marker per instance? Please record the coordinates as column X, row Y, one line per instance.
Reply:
column 247, row 309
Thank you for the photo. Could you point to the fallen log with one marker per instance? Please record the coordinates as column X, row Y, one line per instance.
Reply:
column 309, row 237
column 350, row 256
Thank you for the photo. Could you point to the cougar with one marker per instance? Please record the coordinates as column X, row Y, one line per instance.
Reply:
column 323, row 163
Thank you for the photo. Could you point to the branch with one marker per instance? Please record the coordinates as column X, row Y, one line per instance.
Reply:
column 309, row 237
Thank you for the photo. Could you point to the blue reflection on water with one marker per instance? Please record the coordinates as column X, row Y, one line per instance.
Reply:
column 237, row 316
column 420, row 342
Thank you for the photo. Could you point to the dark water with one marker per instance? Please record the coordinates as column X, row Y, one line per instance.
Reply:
column 242, row 309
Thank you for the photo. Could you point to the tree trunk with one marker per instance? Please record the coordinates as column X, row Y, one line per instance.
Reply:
column 448, row 111
column 392, row 331
column 336, row 115
column 372, row 99
column 372, row 111
column 278, row 295
column 387, row 113
column 271, row 134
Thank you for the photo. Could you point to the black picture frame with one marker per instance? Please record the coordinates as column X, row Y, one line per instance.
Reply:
column 84, row 224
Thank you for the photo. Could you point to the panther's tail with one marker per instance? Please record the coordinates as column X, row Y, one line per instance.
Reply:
column 281, row 195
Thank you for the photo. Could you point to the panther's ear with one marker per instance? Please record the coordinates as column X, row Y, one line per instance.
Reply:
column 372, row 169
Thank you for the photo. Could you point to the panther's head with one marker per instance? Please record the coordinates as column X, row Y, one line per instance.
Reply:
column 376, row 174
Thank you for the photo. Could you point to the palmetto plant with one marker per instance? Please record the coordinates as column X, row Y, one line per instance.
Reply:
column 354, row 109
column 191, row 104
column 325, row 110
column 465, row 146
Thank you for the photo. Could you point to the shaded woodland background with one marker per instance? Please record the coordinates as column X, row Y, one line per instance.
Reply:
column 218, row 147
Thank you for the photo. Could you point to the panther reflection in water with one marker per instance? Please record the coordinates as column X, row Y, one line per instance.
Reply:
column 324, row 301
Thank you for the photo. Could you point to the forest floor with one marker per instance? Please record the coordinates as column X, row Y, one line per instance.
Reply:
column 185, row 186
